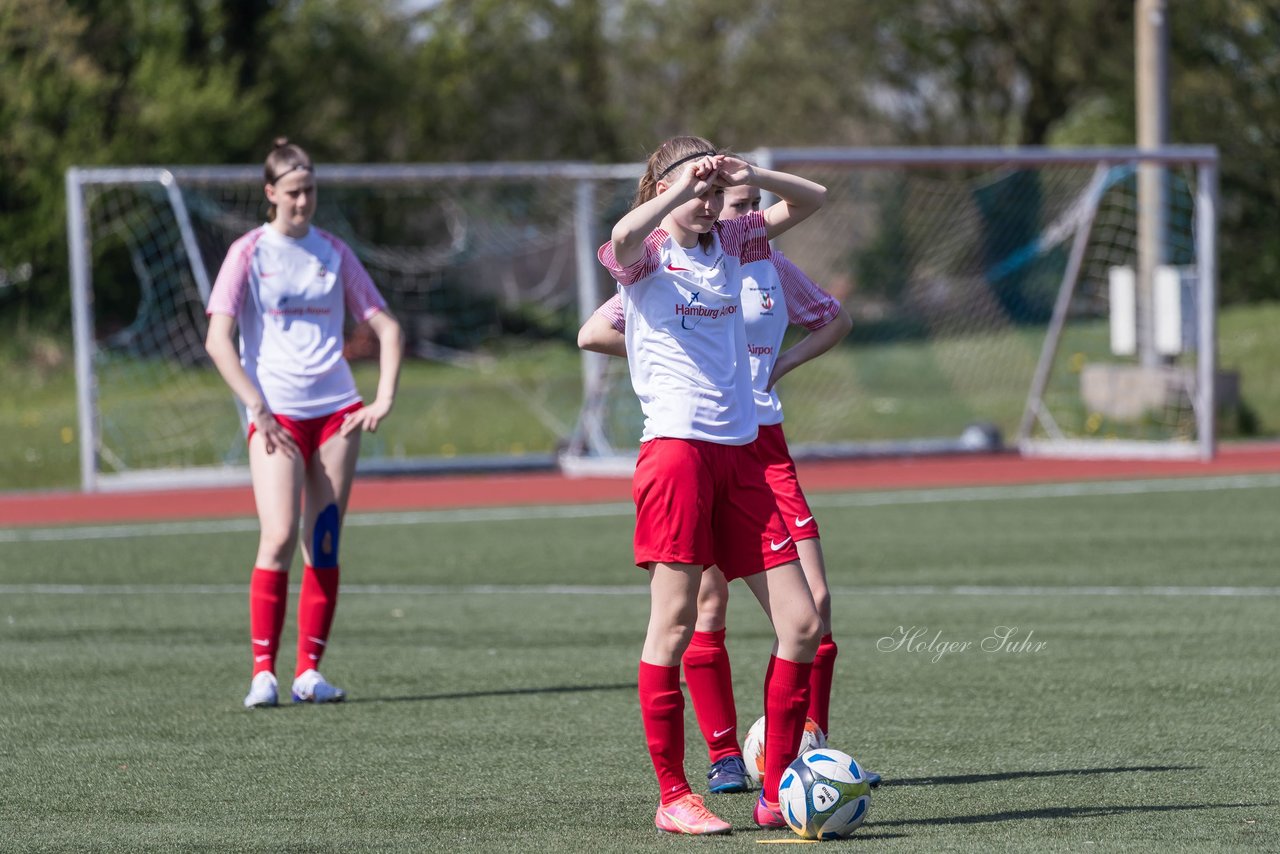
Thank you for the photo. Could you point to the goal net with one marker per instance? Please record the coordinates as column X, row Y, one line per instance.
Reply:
column 481, row 264
column 980, row 283
column 998, row 301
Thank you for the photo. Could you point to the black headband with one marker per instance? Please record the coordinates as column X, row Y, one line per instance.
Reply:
column 303, row 167
column 694, row 156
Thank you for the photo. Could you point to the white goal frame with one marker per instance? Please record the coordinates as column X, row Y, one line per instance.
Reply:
column 592, row 455
column 588, row 450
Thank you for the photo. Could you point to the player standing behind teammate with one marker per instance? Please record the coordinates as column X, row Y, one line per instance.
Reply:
column 287, row 286
column 700, row 493
column 775, row 294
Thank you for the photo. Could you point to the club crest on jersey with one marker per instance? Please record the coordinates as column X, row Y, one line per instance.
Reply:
column 766, row 300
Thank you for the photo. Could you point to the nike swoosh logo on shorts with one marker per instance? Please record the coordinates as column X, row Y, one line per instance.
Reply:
column 721, row 732
column 779, row 546
column 800, row 523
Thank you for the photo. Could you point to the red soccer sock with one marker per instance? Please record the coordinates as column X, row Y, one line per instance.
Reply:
column 315, row 615
column 268, row 596
column 710, row 681
column 662, row 708
column 824, row 669
column 786, row 697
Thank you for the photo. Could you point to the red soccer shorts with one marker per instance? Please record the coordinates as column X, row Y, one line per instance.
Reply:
column 706, row 503
column 311, row 433
column 780, row 471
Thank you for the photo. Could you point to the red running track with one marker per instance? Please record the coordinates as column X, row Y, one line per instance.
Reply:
column 419, row 493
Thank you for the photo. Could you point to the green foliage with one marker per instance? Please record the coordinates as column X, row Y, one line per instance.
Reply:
column 97, row 83
column 51, row 97
column 1227, row 92
column 85, row 82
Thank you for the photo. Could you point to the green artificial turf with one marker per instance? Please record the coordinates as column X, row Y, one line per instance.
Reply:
column 491, row 664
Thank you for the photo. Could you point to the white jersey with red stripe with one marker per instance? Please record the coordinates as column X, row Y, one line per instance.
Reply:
column 686, row 342
column 288, row 298
column 775, row 294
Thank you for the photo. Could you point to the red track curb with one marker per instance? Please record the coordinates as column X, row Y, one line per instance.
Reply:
column 487, row 490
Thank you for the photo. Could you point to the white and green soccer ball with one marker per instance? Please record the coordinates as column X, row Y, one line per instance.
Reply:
column 824, row 794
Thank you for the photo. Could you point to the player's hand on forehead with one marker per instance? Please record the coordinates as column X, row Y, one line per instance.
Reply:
column 700, row 170
column 733, row 172
column 699, row 174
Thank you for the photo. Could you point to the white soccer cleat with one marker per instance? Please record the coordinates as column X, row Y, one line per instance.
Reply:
column 263, row 691
column 311, row 687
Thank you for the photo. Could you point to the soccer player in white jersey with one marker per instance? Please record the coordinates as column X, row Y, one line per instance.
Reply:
column 287, row 286
column 775, row 294
column 700, row 492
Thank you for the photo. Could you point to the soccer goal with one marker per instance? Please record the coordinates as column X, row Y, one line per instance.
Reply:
column 483, row 264
column 988, row 289
column 1043, row 300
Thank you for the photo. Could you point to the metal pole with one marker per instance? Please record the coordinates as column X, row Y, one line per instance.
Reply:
column 1040, row 381
column 189, row 241
column 593, row 364
column 82, row 331
column 1207, row 316
column 1152, row 38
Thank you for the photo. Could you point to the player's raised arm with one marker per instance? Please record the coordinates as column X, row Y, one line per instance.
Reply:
column 799, row 198
column 684, row 181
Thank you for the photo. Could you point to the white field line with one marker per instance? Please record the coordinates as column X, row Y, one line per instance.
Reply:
column 886, row 498
column 627, row 590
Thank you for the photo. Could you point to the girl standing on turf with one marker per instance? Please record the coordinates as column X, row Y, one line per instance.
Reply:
column 288, row 287
column 775, row 293
column 701, row 494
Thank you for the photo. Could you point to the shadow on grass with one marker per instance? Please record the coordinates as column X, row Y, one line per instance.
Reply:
column 504, row 692
column 1061, row 812
column 1022, row 775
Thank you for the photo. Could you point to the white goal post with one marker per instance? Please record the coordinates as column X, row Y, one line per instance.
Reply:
column 978, row 283
column 981, row 282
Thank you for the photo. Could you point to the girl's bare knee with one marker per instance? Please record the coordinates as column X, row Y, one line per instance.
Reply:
column 279, row 547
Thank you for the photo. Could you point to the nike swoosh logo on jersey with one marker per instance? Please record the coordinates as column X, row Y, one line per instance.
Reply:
column 673, row 268
column 800, row 523
column 779, row 546
column 721, row 732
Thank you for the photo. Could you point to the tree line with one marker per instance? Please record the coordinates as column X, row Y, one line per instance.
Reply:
column 114, row 82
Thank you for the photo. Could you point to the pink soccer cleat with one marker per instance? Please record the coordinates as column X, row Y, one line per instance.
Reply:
column 690, row 815
column 768, row 816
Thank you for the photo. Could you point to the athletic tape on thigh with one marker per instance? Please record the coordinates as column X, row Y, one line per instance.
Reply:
column 324, row 540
